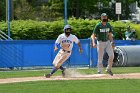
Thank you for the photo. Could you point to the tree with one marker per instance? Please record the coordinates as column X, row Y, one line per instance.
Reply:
column 23, row 10
column 2, row 10
column 125, row 9
column 138, row 3
column 47, row 10
column 50, row 10
column 82, row 8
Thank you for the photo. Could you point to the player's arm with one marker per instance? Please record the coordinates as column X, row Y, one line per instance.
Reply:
column 80, row 47
column 93, row 36
column 111, row 38
column 93, row 40
column 57, row 42
column 77, row 41
column 56, row 47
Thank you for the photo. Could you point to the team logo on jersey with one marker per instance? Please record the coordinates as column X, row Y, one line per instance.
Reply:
column 66, row 41
column 104, row 30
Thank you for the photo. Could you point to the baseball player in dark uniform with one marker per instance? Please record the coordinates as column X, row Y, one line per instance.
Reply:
column 103, row 33
column 66, row 41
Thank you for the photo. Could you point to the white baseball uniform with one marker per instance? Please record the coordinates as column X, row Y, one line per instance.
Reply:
column 66, row 44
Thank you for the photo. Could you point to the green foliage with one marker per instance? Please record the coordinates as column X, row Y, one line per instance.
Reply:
column 39, row 10
column 138, row 3
column 49, row 10
column 42, row 30
column 82, row 28
column 23, row 10
column 80, row 8
column 30, row 30
column 120, row 28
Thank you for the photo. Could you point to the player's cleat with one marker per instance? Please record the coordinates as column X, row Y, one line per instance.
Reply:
column 47, row 75
column 99, row 72
column 109, row 72
column 63, row 73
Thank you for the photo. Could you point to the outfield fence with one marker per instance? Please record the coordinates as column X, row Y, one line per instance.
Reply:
column 29, row 53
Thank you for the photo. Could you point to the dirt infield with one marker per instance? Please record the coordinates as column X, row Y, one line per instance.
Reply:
column 78, row 77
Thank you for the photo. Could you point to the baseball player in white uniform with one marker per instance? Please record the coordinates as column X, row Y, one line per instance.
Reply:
column 66, row 41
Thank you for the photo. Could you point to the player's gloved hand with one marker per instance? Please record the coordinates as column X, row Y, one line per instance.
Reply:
column 80, row 50
column 55, row 49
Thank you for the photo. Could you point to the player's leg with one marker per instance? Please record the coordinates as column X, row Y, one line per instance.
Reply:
column 63, row 57
column 110, row 52
column 55, row 69
column 63, row 70
column 60, row 58
column 100, row 49
column 57, row 57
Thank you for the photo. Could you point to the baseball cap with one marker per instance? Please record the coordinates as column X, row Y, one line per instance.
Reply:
column 103, row 14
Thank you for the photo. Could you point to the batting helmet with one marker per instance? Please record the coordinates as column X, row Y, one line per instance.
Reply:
column 67, row 27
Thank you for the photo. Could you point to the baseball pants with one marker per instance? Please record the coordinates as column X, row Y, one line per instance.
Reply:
column 60, row 58
column 101, row 47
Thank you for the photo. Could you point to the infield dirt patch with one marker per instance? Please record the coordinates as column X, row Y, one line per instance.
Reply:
column 78, row 77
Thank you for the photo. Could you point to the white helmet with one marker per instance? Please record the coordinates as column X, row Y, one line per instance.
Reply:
column 67, row 27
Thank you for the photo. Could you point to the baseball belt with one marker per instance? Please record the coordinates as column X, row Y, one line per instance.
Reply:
column 66, row 51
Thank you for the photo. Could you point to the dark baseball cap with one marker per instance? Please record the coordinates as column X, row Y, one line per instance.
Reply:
column 103, row 14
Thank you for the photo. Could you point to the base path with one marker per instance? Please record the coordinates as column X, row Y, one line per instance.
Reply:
column 80, row 77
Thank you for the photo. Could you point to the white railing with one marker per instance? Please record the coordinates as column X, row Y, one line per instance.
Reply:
column 4, row 36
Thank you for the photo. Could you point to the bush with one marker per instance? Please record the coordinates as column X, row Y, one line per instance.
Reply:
column 42, row 30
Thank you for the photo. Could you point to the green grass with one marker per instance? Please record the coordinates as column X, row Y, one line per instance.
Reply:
column 74, row 86
column 31, row 73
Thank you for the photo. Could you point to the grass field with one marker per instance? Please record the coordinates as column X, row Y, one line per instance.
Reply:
column 74, row 86
column 71, row 86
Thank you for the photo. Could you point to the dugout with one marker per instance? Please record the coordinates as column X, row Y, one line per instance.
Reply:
column 125, row 56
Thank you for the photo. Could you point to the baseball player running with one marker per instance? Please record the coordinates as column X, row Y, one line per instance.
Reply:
column 66, row 41
column 103, row 33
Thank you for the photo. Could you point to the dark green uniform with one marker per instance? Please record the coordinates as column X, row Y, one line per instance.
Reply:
column 102, row 31
column 103, row 43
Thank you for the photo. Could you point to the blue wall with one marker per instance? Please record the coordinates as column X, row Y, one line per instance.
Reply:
column 27, row 53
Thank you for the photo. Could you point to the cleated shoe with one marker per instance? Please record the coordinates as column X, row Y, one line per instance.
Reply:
column 47, row 75
column 109, row 72
column 63, row 73
column 99, row 72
